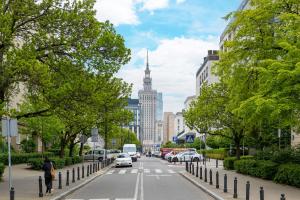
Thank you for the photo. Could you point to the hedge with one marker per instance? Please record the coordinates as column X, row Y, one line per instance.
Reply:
column 2, row 167
column 260, row 168
column 215, row 153
column 288, row 174
column 19, row 158
column 58, row 163
column 229, row 161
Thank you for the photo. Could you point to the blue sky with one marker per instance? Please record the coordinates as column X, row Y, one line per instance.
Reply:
column 177, row 33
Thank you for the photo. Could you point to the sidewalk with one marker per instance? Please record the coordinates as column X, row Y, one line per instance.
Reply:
column 272, row 191
column 26, row 184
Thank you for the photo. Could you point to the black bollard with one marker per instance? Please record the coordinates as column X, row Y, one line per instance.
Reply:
column 261, row 193
column 59, row 180
column 190, row 167
column 93, row 167
column 78, row 173
column 197, row 169
column 248, row 190
column 12, row 193
column 282, row 197
column 210, row 177
column 217, row 163
column 225, row 183
column 193, row 169
column 40, row 187
column 205, row 175
column 82, row 171
column 235, row 188
column 186, row 166
column 68, row 176
column 98, row 164
column 88, row 171
column 217, row 180
column 200, row 172
column 203, row 160
column 73, row 175
column 90, row 168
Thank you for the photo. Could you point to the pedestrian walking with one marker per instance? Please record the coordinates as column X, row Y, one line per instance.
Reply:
column 49, row 174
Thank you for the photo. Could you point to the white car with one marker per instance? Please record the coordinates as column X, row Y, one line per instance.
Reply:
column 123, row 159
column 186, row 156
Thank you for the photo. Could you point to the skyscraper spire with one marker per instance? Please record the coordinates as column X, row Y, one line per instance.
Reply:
column 147, row 60
column 147, row 65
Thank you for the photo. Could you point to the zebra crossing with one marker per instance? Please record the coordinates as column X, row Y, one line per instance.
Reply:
column 135, row 171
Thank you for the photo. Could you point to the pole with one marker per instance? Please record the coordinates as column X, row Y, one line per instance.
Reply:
column 9, row 153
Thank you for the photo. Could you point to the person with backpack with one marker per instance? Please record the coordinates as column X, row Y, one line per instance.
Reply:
column 49, row 174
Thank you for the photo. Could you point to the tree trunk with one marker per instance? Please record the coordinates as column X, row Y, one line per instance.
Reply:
column 237, row 149
column 81, row 149
column 62, row 148
column 71, row 149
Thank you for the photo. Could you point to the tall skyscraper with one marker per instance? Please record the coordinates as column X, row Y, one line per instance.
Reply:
column 134, row 126
column 150, row 102
column 159, row 106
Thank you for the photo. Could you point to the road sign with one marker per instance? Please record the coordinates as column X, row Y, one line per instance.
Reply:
column 189, row 138
column 95, row 135
column 174, row 138
column 113, row 141
column 9, row 127
column 83, row 139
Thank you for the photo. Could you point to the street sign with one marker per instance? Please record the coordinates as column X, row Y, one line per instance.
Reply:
column 174, row 138
column 95, row 135
column 83, row 139
column 189, row 138
column 113, row 141
column 11, row 129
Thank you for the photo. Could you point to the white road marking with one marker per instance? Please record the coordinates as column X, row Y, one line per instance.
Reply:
column 147, row 171
column 137, row 187
column 123, row 171
column 142, row 187
column 134, row 171
column 171, row 171
column 110, row 172
column 158, row 171
column 163, row 175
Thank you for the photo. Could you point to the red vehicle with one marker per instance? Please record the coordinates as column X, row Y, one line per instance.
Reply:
column 164, row 151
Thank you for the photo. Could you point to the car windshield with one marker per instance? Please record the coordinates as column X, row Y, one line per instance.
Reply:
column 129, row 149
column 123, row 156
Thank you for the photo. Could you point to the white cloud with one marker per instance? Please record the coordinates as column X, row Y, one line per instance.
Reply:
column 152, row 5
column 117, row 11
column 173, row 66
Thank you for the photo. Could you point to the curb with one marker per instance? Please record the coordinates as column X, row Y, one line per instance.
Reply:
column 210, row 193
column 71, row 190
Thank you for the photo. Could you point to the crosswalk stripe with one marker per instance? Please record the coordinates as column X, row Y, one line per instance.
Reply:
column 171, row 171
column 134, row 171
column 123, row 171
column 147, row 171
column 158, row 171
column 110, row 171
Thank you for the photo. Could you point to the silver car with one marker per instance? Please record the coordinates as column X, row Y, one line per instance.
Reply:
column 98, row 154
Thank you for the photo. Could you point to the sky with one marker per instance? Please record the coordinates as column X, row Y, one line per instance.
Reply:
column 177, row 34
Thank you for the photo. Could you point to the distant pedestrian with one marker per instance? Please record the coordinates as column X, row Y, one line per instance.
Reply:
column 48, row 174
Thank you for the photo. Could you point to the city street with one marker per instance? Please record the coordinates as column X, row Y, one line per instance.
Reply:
column 148, row 179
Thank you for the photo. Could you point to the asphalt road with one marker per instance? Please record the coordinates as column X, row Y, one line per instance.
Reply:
column 148, row 179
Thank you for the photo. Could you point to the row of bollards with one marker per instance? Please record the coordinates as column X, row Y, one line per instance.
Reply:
column 199, row 174
column 90, row 169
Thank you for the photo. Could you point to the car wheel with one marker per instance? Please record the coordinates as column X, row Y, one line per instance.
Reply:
column 175, row 159
column 196, row 159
